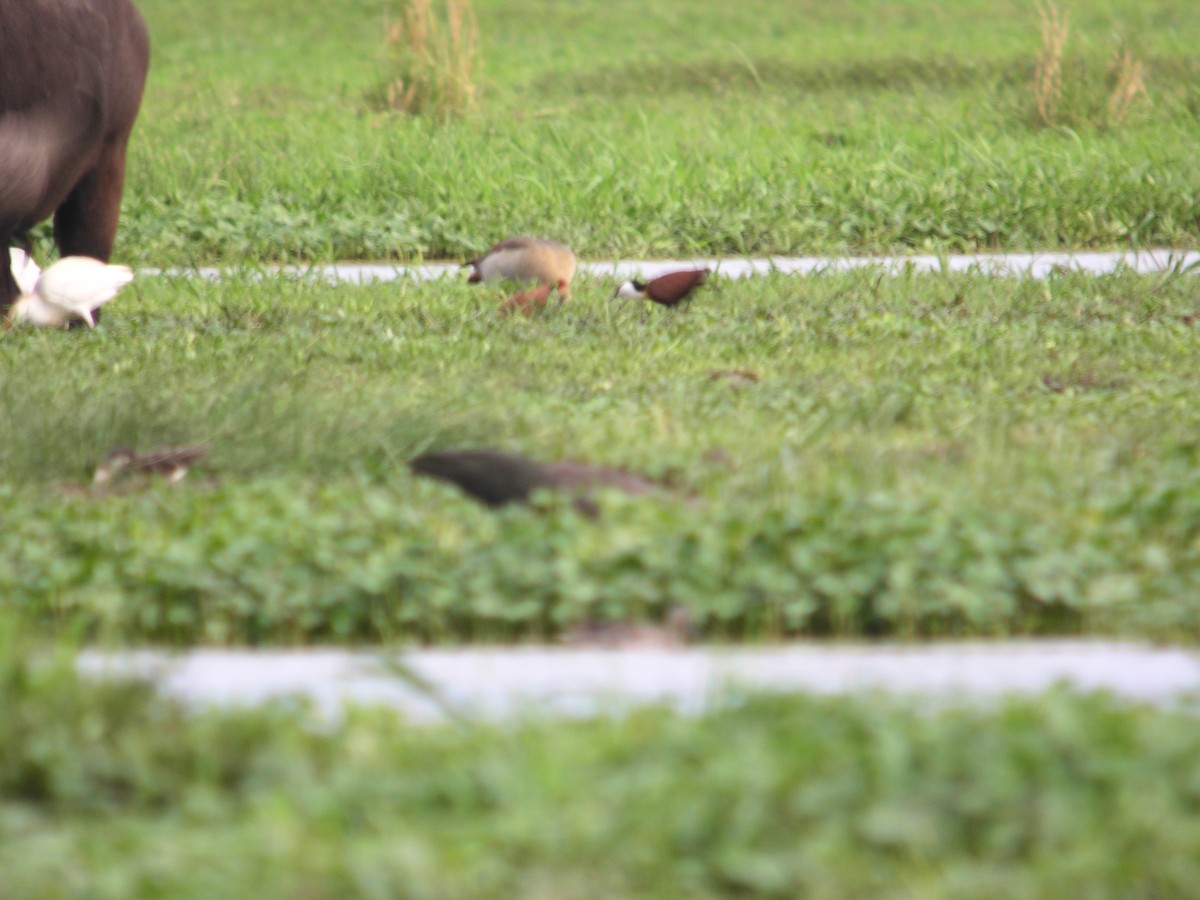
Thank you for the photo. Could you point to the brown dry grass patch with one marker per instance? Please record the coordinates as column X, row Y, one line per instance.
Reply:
column 432, row 58
column 1047, row 85
column 1072, row 93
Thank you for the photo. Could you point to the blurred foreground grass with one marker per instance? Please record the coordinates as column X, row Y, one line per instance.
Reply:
column 107, row 792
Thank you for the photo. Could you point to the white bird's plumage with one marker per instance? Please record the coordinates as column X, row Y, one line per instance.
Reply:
column 33, row 309
column 24, row 269
column 628, row 290
column 71, row 287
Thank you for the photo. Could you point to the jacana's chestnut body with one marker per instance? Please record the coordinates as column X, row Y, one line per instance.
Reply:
column 668, row 290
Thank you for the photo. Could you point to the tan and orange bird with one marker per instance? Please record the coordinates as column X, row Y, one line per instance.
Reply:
column 527, row 301
column 526, row 259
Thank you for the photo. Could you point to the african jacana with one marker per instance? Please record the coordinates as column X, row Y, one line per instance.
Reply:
column 526, row 259
column 171, row 463
column 669, row 290
column 70, row 288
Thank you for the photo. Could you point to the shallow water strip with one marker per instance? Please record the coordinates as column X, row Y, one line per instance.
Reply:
column 429, row 685
column 1018, row 265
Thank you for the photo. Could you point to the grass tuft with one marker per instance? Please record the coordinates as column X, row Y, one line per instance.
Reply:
column 1047, row 85
column 1074, row 93
column 1129, row 83
column 432, row 59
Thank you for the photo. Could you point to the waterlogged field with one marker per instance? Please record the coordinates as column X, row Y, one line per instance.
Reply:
column 626, row 129
column 920, row 455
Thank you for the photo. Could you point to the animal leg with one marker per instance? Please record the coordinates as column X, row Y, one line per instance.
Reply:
column 8, row 284
column 11, row 235
column 86, row 222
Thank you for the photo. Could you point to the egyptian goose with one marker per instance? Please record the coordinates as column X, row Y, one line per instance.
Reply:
column 526, row 259
column 527, row 301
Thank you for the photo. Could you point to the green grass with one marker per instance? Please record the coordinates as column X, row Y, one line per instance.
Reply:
column 924, row 455
column 106, row 792
column 943, row 455
column 709, row 128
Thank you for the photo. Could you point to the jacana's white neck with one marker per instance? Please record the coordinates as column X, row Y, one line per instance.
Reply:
column 628, row 290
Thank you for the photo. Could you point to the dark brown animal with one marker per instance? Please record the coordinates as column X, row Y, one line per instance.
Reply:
column 497, row 478
column 71, row 79
column 669, row 290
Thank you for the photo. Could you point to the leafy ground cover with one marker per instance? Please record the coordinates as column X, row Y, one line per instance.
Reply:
column 106, row 791
column 921, row 455
column 624, row 130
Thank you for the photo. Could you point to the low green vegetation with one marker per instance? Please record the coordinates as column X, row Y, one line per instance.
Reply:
column 841, row 455
column 921, row 455
column 749, row 128
column 106, row 792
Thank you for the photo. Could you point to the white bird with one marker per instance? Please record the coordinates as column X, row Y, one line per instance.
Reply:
column 71, row 287
column 25, row 270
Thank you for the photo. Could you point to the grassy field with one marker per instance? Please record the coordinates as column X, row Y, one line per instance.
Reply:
column 749, row 128
column 106, row 792
column 922, row 455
